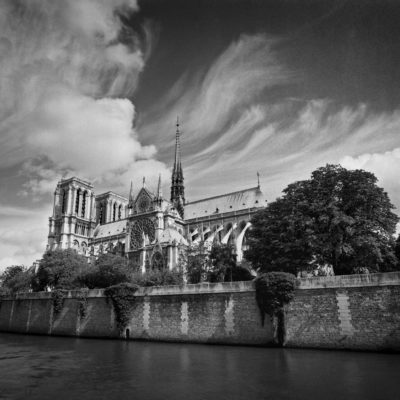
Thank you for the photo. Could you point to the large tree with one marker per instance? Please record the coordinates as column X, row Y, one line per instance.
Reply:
column 60, row 269
column 338, row 217
column 108, row 270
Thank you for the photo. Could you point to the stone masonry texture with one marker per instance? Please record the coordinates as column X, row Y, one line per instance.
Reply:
column 351, row 312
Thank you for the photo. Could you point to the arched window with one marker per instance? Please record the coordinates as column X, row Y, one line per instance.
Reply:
column 78, row 195
column 64, row 202
column 101, row 213
column 120, row 211
column 84, row 194
column 114, row 211
column 158, row 261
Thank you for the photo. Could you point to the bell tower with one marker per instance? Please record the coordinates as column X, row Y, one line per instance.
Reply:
column 73, row 218
column 177, row 186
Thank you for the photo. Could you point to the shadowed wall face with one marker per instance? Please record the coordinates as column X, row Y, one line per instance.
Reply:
column 349, row 312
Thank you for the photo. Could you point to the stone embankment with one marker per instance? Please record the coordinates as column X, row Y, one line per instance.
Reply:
column 359, row 312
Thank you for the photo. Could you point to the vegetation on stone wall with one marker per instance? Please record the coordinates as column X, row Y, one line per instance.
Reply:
column 338, row 218
column 123, row 299
column 58, row 297
column 82, row 303
column 273, row 291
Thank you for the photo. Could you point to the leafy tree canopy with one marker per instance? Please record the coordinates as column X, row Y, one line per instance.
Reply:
column 222, row 260
column 108, row 270
column 195, row 263
column 60, row 269
column 16, row 278
column 338, row 217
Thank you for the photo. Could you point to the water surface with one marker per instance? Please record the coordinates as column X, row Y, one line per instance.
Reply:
column 40, row 367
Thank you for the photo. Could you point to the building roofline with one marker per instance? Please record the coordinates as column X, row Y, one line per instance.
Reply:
column 223, row 195
column 110, row 192
column 74, row 178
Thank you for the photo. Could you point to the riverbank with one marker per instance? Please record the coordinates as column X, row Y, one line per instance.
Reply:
column 357, row 312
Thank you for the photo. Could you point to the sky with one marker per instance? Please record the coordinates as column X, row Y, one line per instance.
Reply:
column 92, row 88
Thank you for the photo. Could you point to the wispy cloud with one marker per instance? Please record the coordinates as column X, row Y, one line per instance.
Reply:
column 64, row 73
column 235, row 124
column 209, row 102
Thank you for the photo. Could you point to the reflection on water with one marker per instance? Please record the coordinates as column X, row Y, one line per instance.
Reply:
column 39, row 367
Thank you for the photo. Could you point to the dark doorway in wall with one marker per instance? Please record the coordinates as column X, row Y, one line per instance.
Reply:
column 127, row 334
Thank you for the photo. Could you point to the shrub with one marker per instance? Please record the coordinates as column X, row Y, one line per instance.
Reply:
column 58, row 297
column 234, row 274
column 123, row 298
column 82, row 305
column 158, row 278
column 273, row 291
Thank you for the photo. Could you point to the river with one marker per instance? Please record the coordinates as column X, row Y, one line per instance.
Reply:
column 40, row 367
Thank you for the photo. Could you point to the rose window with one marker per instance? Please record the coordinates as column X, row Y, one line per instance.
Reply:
column 141, row 228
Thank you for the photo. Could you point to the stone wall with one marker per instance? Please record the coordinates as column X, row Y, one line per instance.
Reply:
column 204, row 313
column 360, row 312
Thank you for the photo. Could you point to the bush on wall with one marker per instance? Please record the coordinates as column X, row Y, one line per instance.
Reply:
column 58, row 297
column 273, row 291
column 123, row 298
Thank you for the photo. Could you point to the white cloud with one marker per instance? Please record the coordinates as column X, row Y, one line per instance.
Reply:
column 385, row 166
column 62, row 66
column 23, row 234
column 210, row 102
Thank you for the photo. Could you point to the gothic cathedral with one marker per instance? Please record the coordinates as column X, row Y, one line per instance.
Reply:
column 147, row 228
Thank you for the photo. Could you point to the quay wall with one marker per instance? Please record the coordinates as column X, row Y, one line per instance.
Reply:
column 357, row 312
column 225, row 313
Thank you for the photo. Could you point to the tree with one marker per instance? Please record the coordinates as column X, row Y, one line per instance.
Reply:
column 338, row 217
column 222, row 260
column 60, row 269
column 16, row 278
column 195, row 263
column 273, row 291
column 108, row 270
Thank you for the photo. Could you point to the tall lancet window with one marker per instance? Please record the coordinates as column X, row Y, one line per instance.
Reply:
column 114, row 211
column 101, row 214
column 64, row 202
column 78, row 195
column 120, row 211
column 83, row 210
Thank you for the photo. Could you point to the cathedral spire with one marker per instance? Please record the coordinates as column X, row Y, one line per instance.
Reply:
column 177, row 163
column 130, row 201
column 159, row 190
column 177, row 187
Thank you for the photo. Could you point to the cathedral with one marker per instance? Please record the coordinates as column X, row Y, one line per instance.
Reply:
column 151, row 231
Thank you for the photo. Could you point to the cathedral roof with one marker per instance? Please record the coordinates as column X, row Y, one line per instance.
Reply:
column 170, row 234
column 110, row 229
column 235, row 201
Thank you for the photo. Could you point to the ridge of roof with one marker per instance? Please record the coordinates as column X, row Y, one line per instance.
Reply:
column 223, row 195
